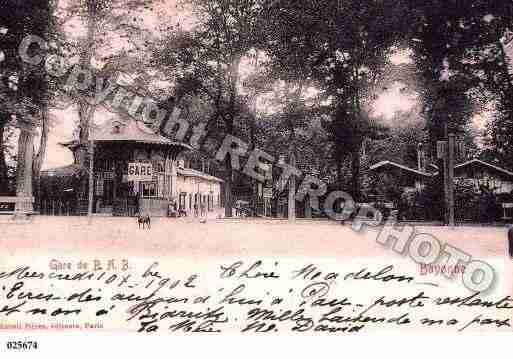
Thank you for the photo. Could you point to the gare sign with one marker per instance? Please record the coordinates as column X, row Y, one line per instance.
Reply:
column 138, row 171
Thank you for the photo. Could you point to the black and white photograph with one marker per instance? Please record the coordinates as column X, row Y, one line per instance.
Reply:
column 255, row 167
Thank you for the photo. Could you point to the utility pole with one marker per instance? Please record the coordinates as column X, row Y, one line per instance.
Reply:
column 292, row 190
column 450, row 180
column 446, row 151
column 91, row 179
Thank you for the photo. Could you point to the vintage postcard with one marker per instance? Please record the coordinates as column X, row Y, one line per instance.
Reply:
column 267, row 167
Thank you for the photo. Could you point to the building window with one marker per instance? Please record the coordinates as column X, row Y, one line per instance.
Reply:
column 169, row 185
column 161, row 187
column 104, row 165
column 211, row 201
column 108, row 192
column 158, row 166
column 99, row 188
column 183, row 196
column 148, row 189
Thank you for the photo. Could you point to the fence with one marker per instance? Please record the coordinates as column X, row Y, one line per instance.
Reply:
column 154, row 206
column 126, row 207
column 16, row 205
column 57, row 207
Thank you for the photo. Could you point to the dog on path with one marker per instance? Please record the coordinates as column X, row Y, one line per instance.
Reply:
column 144, row 220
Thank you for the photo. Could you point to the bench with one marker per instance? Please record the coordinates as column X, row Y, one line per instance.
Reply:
column 8, row 206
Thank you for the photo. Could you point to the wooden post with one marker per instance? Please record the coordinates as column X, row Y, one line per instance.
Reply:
column 445, row 186
column 91, row 180
column 308, row 207
column 445, row 170
column 510, row 243
column 292, row 191
column 174, row 180
column 450, row 180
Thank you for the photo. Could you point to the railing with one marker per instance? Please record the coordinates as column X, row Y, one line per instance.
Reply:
column 52, row 207
column 125, row 207
column 17, row 205
column 157, row 207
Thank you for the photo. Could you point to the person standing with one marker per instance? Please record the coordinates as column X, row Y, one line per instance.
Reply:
column 203, row 209
column 237, row 209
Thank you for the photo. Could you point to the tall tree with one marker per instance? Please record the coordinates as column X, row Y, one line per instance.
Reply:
column 24, row 88
column 341, row 46
column 450, row 40
column 112, row 38
column 499, row 146
column 207, row 59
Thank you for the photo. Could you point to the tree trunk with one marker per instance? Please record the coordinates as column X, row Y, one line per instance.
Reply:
column 504, row 61
column 355, row 174
column 254, row 182
column 24, row 168
column 85, row 114
column 86, row 110
column 43, row 142
column 228, row 184
column 4, row 178
column 339, row 161
column 253, row 128
column 39, row 158
column 229, row 118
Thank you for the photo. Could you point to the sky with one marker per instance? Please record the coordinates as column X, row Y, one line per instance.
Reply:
column 392, row 99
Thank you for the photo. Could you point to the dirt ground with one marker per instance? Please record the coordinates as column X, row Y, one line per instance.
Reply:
column 227, row 237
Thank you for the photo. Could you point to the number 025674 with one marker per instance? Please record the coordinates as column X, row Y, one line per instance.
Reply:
column 21, row 345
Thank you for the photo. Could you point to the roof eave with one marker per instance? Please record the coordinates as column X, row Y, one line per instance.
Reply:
column 486, row 164
column 397, row 165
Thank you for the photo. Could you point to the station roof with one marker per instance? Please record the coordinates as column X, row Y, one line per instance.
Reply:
column 117, row 130
column 189, row 172
column 457, row 168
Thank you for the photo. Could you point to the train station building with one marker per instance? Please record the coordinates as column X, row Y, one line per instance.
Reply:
column 135, row 171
